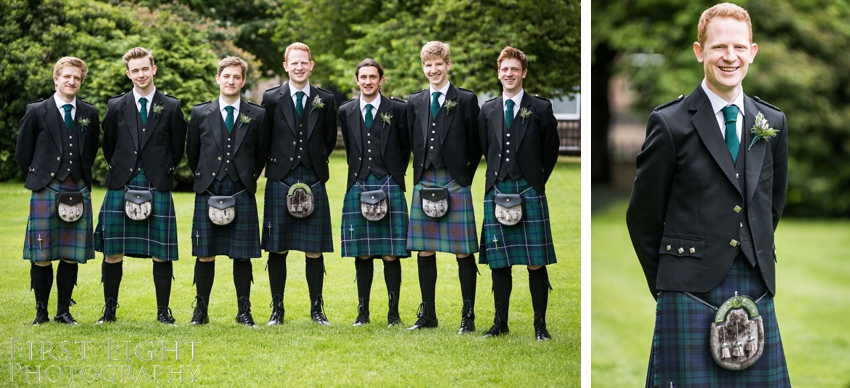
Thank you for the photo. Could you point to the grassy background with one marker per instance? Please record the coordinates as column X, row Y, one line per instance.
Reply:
column 812, row 301
column 299, row 351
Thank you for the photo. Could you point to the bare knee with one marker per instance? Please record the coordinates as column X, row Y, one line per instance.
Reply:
column 534, row 267
column 313, row 255
column 45, row 263
column 389, row 258
column 206, row 259
column 112, row 259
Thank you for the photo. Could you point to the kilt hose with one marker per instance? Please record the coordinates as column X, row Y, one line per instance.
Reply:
column 680, row 345
column 282, row 231
column 387, row 236
column 155, row 236
column 529, row 242
column 48, row 236
column 455, row 232
column 239, row 239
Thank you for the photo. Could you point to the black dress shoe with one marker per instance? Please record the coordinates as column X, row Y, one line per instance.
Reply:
column 540, row 327
column 245, row 319
column 361, row 320
column 467, row 325
column 65, row 318
column 393, row 319
column 199, row 317
column 163, row 315
column 41, row 315
column 317, row 313
column 423, row 321
column 277, row 317
column 362, row 313
column 497, row 330
column 108, row 312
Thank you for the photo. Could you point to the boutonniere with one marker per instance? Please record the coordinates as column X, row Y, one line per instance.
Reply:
column 243, row 119
column 317, row 104
column 157, row 110
column 387, row 118
column 525, row 113
column 450, row 104
column 83, row 122
column 762, row 130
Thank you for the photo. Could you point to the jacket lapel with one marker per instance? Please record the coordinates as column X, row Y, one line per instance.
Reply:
column 313, row 114
column 131, row 118
column 523, row 122
column 153, row 117
column 451, row 95
column 82, row 112
column 214, row 117
column 755, row 155
column 355, row 123
column 423, row 111
column 55, row 122
column 244, row 109
column 705, row 122
column 286, row 107
column 498, row 116
column 385, row 108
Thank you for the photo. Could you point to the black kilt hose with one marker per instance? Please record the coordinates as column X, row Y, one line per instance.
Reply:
column 155, row 236
column 452, row 233
column 680, row 345
column 48, row 236
column 529, row 242
column 387, row 236
column 239, row 239
column 282, row 231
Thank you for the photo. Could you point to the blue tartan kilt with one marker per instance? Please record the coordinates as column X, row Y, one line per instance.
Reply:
column 48, row 236
column 387, row 236
column 239, row 239
column 282, row 231
column 680, row 345
column 529, row 242
column 155, row 236
column 454, row 232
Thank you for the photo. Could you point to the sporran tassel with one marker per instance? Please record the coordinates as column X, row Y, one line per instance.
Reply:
column 725, row 351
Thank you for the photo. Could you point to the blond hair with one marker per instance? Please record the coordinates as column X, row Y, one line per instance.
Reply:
column 136, row 53
column 435, row 50
column 70, row 61
column 229, row 61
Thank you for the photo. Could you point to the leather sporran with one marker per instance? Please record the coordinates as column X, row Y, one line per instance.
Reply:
column 299, row 200
column 508, row 209
column 373, row 205
column 737, row 334
column 69, row 206
column 138, row 204
column 222, row 209
column 435, row 201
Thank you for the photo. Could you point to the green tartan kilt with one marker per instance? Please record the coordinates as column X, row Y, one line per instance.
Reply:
column 387, row 236
column 454, row 232
column 155, row 236
column 239, row 239
column 283, row 232
column 529, row 242
column 48, row 236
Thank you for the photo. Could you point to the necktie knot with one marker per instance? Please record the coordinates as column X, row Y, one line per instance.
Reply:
column 435, row 104
column 299, row 105
column 69, row 122
column 368, row 120
column 228, row 122
column 730, row 117
column 730, row 113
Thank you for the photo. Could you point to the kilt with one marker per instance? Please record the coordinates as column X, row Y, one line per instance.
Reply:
column 59, row 239
column 680, row 345
column 529, row 242
column 454, row 232
column 239, row 239
column 385, row 237
column 282, row 231
column 154, row 237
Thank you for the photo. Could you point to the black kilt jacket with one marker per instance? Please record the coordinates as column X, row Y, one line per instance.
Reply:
column 688, row 194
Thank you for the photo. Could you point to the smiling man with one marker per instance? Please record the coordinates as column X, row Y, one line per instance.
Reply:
column 710, row 189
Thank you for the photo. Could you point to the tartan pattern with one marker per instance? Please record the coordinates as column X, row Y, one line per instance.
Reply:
column 238, row 240
column 154, row 237
column 680, row 345
column 59, row 239
column 529, row 242
column 282, row 231
column 385, row 237
column 454, row 232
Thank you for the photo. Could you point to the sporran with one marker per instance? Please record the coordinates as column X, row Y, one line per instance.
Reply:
column 69, row 205
column 299, row 200
column 222, row 209
column 138, row 204
column 737, row 333
column 435, row 201
column 373, row 205
column 508, row 209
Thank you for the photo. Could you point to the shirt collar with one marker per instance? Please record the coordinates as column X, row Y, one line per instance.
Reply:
column 444, row 90
column 517, row 99
column 717, row 103
column 235, row 105
column 149, row 97
column 292, row 90
column 375, row 104
column 60, row 103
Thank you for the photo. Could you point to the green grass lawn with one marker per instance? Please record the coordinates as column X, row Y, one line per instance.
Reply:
column 812, row 302
column 141, row 351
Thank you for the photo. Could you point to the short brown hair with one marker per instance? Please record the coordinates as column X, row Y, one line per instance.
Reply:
column 70, row 61
column 369, row 62
column 297, row 46
column 435, row 50
column 512, row 53
column 229, row 61
column 723, row 10
column 136, row 53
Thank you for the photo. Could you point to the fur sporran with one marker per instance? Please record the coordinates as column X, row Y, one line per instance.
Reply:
column 737, row 334
column 222, row 209
column 508, row 208
column 435, row 201
column 70, row 206
column 373, row 205
column 299, row 200
column 138, row 204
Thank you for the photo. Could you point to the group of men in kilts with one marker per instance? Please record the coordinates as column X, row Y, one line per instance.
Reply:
column 231, row 141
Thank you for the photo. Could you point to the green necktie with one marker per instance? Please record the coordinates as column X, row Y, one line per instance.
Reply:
column 730, row 116
column 509, row 113
column 368, row 117
column 299, row 106
column 228, row 122
column 143, row 113
column 435, row 104
column 69, row 122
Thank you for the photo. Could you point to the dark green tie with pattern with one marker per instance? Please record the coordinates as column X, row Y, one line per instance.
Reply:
column 730, row 116
column 143, row 113
column 228, row 122
column 368, row 117
column 69, row 122
column 435, row 104
column 299, row 106
column 509, row 113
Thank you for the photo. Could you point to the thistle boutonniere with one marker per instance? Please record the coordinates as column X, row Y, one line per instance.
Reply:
column 83, row 122
column 525, row 113
column 387, row 118
column 762, row 130
column 243, row 119
column 157, row 110
column 317, row 104
column 450, row 104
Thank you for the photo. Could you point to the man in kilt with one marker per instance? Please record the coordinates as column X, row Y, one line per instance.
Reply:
column 57, row 143
column 520, row 141
column 376, row 148
column 227, row 147
column 303, row 133
column 144, row 135
column 442, row 125
column 710, row 189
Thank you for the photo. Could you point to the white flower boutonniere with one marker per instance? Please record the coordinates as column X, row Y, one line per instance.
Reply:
column 317, row 104
column 83, row 122
column 157, row 110
column 387, row 119
column 243, row 119
column 525, row 113
column 450, row 104
column 762, row 130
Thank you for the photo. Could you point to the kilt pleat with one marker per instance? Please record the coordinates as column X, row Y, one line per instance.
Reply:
column 529, row 242
column 680, row 346
column 48, row 237
column 387, row 236
column 155, row 236
column 282, row 231
column 239, row 239
column 454, row 232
